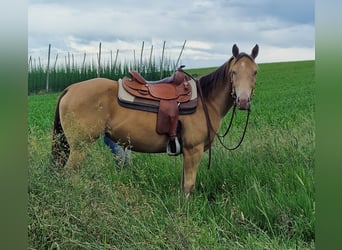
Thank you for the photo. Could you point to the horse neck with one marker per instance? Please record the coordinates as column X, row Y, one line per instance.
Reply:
column 217, row 89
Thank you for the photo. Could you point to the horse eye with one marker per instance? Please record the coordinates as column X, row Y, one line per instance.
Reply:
column 234, row 72
column 255, row 73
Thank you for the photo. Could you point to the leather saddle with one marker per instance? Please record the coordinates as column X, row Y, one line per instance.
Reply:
column 170, row 92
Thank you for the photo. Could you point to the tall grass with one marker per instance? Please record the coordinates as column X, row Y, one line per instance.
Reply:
column 260, row 196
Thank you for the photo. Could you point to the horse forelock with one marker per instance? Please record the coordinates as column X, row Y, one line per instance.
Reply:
column 241, row 55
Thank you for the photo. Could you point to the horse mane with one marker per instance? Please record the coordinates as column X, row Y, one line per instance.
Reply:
column 211, row 80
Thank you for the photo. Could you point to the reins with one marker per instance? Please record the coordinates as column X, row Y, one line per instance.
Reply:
column 210, row 127
column 207, row 118
column 220, row 137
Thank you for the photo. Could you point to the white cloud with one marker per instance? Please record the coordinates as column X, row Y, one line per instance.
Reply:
column 210, row 28
column 293, row 35
column 276, row 54
column 198, row 45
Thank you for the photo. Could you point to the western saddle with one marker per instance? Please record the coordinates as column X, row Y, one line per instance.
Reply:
column 170, row 92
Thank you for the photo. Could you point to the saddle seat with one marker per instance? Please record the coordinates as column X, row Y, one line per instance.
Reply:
column 173, row 87
column 170, row 79
column 170, row 92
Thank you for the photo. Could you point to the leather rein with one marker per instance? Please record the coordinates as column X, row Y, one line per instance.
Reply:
column 220, row 137
column 210, row 127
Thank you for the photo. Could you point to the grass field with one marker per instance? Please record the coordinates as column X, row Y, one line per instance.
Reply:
column 260, row 196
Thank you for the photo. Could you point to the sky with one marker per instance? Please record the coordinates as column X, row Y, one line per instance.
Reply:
column 284, row 30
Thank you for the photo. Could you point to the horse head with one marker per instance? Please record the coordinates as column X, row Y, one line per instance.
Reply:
column 243, row 71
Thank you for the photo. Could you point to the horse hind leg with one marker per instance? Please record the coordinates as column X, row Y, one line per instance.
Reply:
column 71, row 134
column 69, row 149
column 75, row 159
column 79, row 141
column 60, row 149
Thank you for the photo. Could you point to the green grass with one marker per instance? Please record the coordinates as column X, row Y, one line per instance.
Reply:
column 260, row 196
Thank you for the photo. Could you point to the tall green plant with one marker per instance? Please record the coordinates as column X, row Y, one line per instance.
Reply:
column 63, row 74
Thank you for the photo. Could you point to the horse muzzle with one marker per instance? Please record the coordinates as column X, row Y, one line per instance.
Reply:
column 243, row 102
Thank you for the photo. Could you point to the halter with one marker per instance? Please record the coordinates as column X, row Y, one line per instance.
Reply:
column 233, row 94
column 207, row 117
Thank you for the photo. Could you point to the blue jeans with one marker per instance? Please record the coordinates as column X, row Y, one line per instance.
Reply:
column 122, row 156
column 115, row 148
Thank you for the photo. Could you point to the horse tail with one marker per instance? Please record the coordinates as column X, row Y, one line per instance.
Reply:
column 60, row 146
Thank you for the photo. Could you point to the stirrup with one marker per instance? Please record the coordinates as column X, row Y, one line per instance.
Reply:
column 178, row 148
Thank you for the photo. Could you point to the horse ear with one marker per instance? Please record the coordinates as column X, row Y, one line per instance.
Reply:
column 255, row 51
column 235, row 50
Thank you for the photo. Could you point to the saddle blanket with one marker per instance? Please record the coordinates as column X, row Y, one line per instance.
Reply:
column 129, row 101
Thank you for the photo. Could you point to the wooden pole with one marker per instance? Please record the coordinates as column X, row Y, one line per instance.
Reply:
column 116, row 59
column 180, row 54
column 30, row 64
column 73, row 62
column 99, row 61
column 83, row 69
column 111, row 64
column 141, row 56
column 150, row 61
column 55, row 64
column 162, row 61
column 69, row 62
column 48, row 69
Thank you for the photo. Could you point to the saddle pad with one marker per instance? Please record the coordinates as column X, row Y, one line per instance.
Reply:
column 129, row 101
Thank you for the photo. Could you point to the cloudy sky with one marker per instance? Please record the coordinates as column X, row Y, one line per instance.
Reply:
column 284, row 30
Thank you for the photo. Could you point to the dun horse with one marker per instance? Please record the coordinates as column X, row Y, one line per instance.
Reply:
column 88, row 109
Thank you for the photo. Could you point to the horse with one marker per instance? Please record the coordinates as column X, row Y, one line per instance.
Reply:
column 86, row 110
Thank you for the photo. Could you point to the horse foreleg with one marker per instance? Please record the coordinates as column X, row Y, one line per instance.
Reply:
column 191, row 160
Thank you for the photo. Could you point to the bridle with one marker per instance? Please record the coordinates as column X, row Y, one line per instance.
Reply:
column 220, row 137
column 233, row 94
column 207, row 117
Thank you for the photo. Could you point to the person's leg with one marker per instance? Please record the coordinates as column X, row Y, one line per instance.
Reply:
column 115, row 148
column 122, row 156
